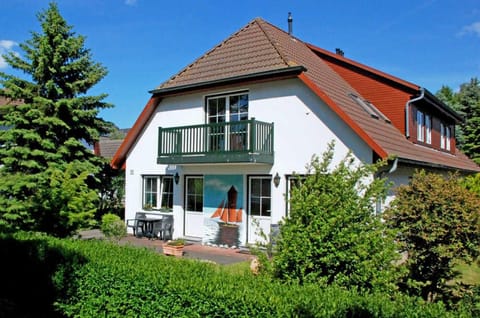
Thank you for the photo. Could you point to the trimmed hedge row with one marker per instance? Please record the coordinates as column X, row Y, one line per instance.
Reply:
column 73, row 278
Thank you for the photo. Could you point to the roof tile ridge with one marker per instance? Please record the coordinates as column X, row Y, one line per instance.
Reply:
column 203, row 56
column 272, row 42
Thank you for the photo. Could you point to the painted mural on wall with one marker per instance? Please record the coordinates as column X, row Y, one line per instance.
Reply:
column 224, row 217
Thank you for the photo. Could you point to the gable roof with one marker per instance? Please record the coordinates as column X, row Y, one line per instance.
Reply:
column 262, row 51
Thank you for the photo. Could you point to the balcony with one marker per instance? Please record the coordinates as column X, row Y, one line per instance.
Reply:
column 248, row 141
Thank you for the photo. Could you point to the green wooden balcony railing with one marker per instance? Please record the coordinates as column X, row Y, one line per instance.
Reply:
column 235, row 142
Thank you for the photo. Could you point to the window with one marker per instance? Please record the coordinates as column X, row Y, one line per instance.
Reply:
column 369, row 108
column 420, row 131
column 428, row 129
column 231, row 109
column 158, row 192
column 260, row 196
column 194, row 194
column 424, row 127
column 445, row 135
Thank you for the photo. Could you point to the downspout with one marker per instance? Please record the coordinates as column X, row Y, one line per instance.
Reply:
column 407, row 111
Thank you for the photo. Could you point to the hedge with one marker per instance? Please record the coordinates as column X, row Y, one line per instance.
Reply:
column 49, row 277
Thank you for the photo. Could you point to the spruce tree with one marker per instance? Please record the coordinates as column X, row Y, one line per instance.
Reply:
column 469, row 99
column 47, row 134
column 449, row 97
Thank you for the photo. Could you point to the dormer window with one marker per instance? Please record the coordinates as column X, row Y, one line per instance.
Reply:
column 428, row 129
column 424, row 127
column 445, row 135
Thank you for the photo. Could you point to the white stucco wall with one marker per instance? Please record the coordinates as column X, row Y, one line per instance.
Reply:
column 303, row 126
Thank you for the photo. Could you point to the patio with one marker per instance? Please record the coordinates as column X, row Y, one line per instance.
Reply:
column 192, row 250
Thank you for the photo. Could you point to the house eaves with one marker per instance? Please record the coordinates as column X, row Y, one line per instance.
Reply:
column 270, row 75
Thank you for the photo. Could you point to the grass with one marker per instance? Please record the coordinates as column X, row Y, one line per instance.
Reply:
column 470, row 274
column 237, row 268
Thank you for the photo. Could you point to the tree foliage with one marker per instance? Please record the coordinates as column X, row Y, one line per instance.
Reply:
column 111, row 185
column 467, row 103
column 472, row 183
column 469, row 100
column 438, row 223
column 50, row 129
column 332, row 234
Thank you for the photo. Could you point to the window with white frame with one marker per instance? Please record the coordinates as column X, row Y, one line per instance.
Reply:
column 445, row 135
column 260, row 196
column 420, row 131
column 194, row 193
column 158, row 192
column 428, row 129
column 424, row 127
column 232, row 109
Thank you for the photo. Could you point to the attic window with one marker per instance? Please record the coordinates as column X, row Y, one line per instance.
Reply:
column 370, row 108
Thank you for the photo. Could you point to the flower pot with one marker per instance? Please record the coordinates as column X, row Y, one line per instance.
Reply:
column 175, row 250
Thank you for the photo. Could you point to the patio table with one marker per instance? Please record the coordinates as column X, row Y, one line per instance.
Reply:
column 149, row 226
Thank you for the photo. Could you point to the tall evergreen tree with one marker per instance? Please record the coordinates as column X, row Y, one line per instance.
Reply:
column 467, row 103
column 48, row 132
column 469, row 100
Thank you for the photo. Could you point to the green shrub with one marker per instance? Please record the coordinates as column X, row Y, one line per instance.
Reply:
column 472, row 183
column 113, row 227
column 332, row 235
column 438, row 223
column 102, row 279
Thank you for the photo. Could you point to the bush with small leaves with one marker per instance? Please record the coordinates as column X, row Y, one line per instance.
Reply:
column 438, row 223
column 113, row 227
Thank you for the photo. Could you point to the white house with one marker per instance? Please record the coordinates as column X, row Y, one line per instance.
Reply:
column 216, row 144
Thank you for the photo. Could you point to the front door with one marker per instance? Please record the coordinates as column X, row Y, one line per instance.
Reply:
column 259, row 208
column 194, row 206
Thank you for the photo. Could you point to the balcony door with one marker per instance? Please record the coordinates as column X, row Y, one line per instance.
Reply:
column 225, row 113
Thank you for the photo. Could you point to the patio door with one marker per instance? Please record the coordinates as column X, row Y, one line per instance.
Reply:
column 194, row 206
column 226, row 113
column 259, row 207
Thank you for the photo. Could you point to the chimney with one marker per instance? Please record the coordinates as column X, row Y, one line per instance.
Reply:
column 339, row 51
column 290, row 22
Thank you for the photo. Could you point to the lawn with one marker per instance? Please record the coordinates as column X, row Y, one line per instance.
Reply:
column 470, row 273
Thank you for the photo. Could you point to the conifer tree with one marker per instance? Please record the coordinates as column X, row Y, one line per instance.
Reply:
column 469, row 99
column 47, row 133
column 467, row 103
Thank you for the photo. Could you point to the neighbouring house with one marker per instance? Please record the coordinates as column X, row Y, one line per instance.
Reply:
column 107, row 146
column 4, row 103
column 217, row 144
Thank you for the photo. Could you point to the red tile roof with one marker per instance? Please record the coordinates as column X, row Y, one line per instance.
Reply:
column 262, row 48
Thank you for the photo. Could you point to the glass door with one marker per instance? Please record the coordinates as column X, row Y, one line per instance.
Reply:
column 259, row 207
column 226, row 114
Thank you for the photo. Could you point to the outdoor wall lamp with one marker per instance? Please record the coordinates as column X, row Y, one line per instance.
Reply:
column 276, row 180
column 176, row 178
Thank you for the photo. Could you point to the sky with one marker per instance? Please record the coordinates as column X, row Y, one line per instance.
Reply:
column 143, row 43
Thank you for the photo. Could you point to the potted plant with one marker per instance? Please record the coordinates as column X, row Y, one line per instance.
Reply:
column 174, row 247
